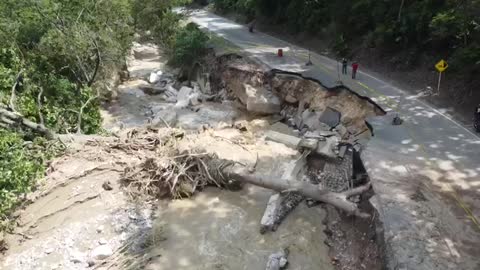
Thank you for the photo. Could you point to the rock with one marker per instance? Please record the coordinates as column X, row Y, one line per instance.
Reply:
column 107, row 186
column 310, row 119
column 320, row 121
column 153, row 78
column 100, row 229
column 152, row 89
column 163, row 118
column 309, row 143
column 257, row 124
column 49, row 250
column 330, row 117
column 77, row 257
column 282, row 128
column 267, row 222
column 261, row 101
column 183, row 97
column 342, row 130
column 241, row 125
column 316, row 135
column 102, row 241
column 277, row 260
column 194, row 98
column 90, row 263
column 288, row 140
column 101, row 252
column 291, row 99
column 326, row 147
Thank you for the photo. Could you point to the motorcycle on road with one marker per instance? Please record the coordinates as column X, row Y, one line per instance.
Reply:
column 476, row 119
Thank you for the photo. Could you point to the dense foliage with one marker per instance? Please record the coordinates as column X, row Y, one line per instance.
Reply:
column 21, row 163
column 448, row 28
column 158, row 18
column 57, row 59
column 188, row 46
column 65, row 50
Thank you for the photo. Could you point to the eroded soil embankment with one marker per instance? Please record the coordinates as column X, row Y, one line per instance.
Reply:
column 235, row 73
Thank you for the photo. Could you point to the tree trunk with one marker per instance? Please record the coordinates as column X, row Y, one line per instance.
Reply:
column 8, row 117
column 339, row 200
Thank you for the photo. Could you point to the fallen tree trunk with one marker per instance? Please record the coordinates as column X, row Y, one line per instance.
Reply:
column 8, row 117
column 340, row 200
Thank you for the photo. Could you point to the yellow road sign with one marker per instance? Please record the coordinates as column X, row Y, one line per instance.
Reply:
column 441, row 66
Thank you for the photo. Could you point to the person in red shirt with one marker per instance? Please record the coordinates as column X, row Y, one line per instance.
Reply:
column 354, row 69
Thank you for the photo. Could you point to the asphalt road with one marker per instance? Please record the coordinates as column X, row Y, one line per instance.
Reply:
column 430, row 143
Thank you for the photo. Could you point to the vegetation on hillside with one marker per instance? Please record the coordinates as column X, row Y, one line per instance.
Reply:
column 55, row 58
column 57, row 62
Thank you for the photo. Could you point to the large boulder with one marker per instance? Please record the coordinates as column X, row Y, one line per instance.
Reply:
column 154, row 77
column 260, row 101
column 183, row 97
column 101, row 252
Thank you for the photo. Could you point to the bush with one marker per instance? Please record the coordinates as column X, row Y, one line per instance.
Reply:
column 467, row 60
column 157, row 17
column 189, row 46
column 21, row 163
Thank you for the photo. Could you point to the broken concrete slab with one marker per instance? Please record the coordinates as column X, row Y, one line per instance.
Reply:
column 288, row 140
column 330, row 117
column 280, row 205
column 311, row 119
column 154, row 77
column 326, row 148
column 267, row 223
column 319, row 135
column 183, row 97
column 282, row 128
column 261, row 101
column 342, row 130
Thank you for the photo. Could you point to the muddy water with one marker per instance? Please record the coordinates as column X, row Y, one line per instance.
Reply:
column 220, row 230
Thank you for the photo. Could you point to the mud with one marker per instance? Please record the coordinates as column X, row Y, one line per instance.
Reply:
column 219, row 230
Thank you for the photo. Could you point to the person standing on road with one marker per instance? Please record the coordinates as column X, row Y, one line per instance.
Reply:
column 252, row 25
column 344, row 66
column 354, row 69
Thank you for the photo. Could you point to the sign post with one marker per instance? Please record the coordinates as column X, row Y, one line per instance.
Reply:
column 309, row 63
column 441, row 66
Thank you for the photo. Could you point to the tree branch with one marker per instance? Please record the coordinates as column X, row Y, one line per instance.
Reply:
column 82, row 68
column 97, row 64
column 80, row 112
column 9, row 118
column 13, row 96
column 40, row 106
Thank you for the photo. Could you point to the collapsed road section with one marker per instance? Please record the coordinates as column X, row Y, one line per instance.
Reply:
column 235, row 126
